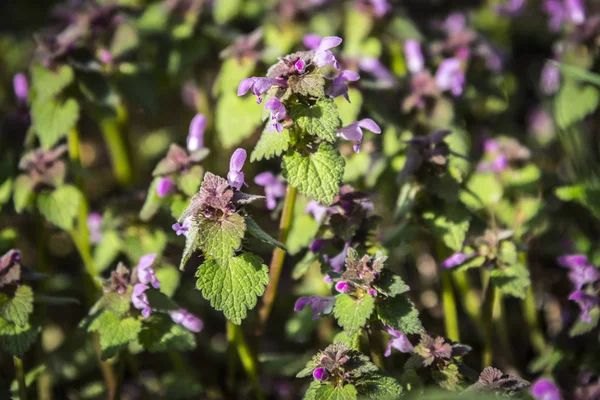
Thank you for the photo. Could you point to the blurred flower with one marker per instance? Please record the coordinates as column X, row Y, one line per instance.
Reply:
column 21, row 87
column 139, row 298
column 258, row 86
column 10, row 270
column 105, row 56
column 586, row 302
column 457, row 259
column 311, row 41
column 164, row 187
column 235, row 177
column 511, row 8
column 300, row 65
column 323, row 56
column 541, row 125
column 145, row 272
column 423, row 86
column 493, row 151
column 45, row 166
column 380, row 7
column 186, row 319
column 398, row 341
column 581, row 272
column 337, row 262
column 354, row 131
column 195, row 139
column 318, row 304
column 274, row 188
column 183, row 228
column 244, row 46
column 316, row 209
column 277, row 110
column 338, row 85
column 372, row 292
column 94, row 223
column 450, row 76
column 575, row 11
column 413, row 55
column 550, row 78
column 566, row 10
column 543, row 389
column 373, row 66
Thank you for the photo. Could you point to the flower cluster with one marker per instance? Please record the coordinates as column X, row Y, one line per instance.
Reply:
column 584, row 277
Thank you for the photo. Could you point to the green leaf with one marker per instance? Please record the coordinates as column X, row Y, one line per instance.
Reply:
column 47, row 83
column 350, row 340
column 234, row 286
column 190, row 181
column 352, row 314
column 169, row 278
column 115, row 333
column 23, row 192
column 233, row 70
column 236, row 118
column 5, row 191
column 452, row 225
column 578, row 74
column 255, row 230
column 271, row 144
column 160, row 301
column 589, row 198
column 107, row 250
column 61, row 206
column 152, row 202
column 380, row 387
column 309, row 85
column 318, row 175
column 311, row 392
column 52, row 120
column 400, row 313
column 221, row 238
column 159, row 334
column 574, row 102
column 118, row 304
column 16, row 308
column 511, row 281
column 321, row 120
column 330, row 392
column 483, row 189
column 390, row 284
column 225, row 10
column 16, row 340
column 191, row 245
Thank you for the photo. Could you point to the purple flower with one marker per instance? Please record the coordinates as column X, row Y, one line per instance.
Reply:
column 575, row 12
column 456, row 259
column 316, row 209
column 413, row 55
column 182, row 229
column 139, row 298
column 323, row 56
column 354, row 131
column 338, row 85
column 258, row 86
column 318, row 304
column 585, row 302
column 320, row 373
column 312, row 41
column 556, row 12
column 512, row 8
column 105, row 56
column 573, row 260
column 550, row 78
column 94, row 223
column 317, row 245
column 145, row 272
column 372, row 292
column 373, row 66
column 455, row 23
column 277, row 110
column 581, row 271
column 450, row 76
column 164, row 187
column 274, row 188
column 398, row 341
column 543, row 389
column 186, row 319
column 300, row 65
column 195, row 139
column 380, row 7
column 21, row 87
column 342, row 287
column 235, row 177
column 327, row 278
column 337, row 262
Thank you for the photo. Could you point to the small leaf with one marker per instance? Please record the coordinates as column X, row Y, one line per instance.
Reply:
column 236, row 119
column 574, row 102
column 321, row 120
column 16, row 340
column 118, row 304
column 580, row 327
column 225, row 10
column 191, row 245
column 189, row 182
column 380, row 387
column 400, row 314
column 309, row 85
column 483, row 190
column 23, row 192
column 390, row 284
column 61, row 206
column 233, row 286
column 255, row 230
column 115, row 333
column 511, row 281
column 330, row 392
column 16, row 308
column 452, row 225
column 107, row 250
column 52, row 120
column 317, row 175
column 159, row 333
column 47, row 83
column 271, row 144
column 221, row 238
column 352, row 314
column 152, row 202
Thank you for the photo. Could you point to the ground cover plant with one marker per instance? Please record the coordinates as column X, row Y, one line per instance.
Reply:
column 300, row 199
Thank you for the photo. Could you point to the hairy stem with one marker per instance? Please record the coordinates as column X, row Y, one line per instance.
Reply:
column 449, row 305
column 249, row 361
column 112, row 131
column 20, row 375
column 488, row 323
column 108, row 374
column 470, row 299
column 278, row 257
column 531, row 318
column 231, row 356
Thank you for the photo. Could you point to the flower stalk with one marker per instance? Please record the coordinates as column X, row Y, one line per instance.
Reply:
column 112, row 131
column 488, row 322
column 235, row 337
column 20, row 376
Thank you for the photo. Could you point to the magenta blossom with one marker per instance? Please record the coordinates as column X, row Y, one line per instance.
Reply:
column 274, row 188
column 380, row 7
column 145, row 272
column 457, row 259
column 235, row 177
column 550, row 78
column 581, row 271
column 105, row 56
column 413, row 55
column 316, row 209
column 312, row 41
column 317, row 245
column 586, row 302
column 21, row 87
column 318, row 304
column 450, row 76
column 398, row 341
column 374, row 67
column 278, row 114
column 323, row 56
column 94, row 223
column 258, row 86
column 543, row 389
column 139, row 298
column 511, row 8
column 320, row 373
column 300, row 65
column 195, row 139
column 186, row 319
column 164, row 187
column 337, row 262
column 182, row 229
column 342, row 287
column 562, row 11
column 338, row 85
column 354, row 131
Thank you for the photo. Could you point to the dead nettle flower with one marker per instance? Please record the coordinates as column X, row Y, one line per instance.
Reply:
column 178, row 161
column 44, row 166
column 457, row 259
column 338, row 85
column 186, row 319
column 423, row 87
column 120, row 280
column 323, row 56
column 316, row 209
column 360, row 274
column 451, row 76
column 311, row 41
column 278, row 114
column 413, row 56
column 165, row 186
column 489, row 245
column 437, row 351
column 337, row 263
column 560, row 12
column 427, row 153
column 244, row 46
column 354, row 131
column 94, row 224
column 258, row 86
column 21, row 87
column 398, row 341
column 320, row 305
column 492, row 380
column 550, row 78
column 511, row 7
column 145, row 276
column 385, row 79
column 195, row 139
column 235, row 176
column 183, row 228
column 10, row 268
column 581, row 271
column 544, row 389
column 274, row 188
column 499, row 154
column 586, row 302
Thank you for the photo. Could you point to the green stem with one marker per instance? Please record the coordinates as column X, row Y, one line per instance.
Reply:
column 488, row 323
column 112, row 128
column 231, row 356
column 470, row 299
column 449, row 304
column 110, row 379
column 500, row 323
column 20, row 375
column 120, row 376
column 375, row 345
column 249, row 362
column 531, row 318
column 278, row 257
